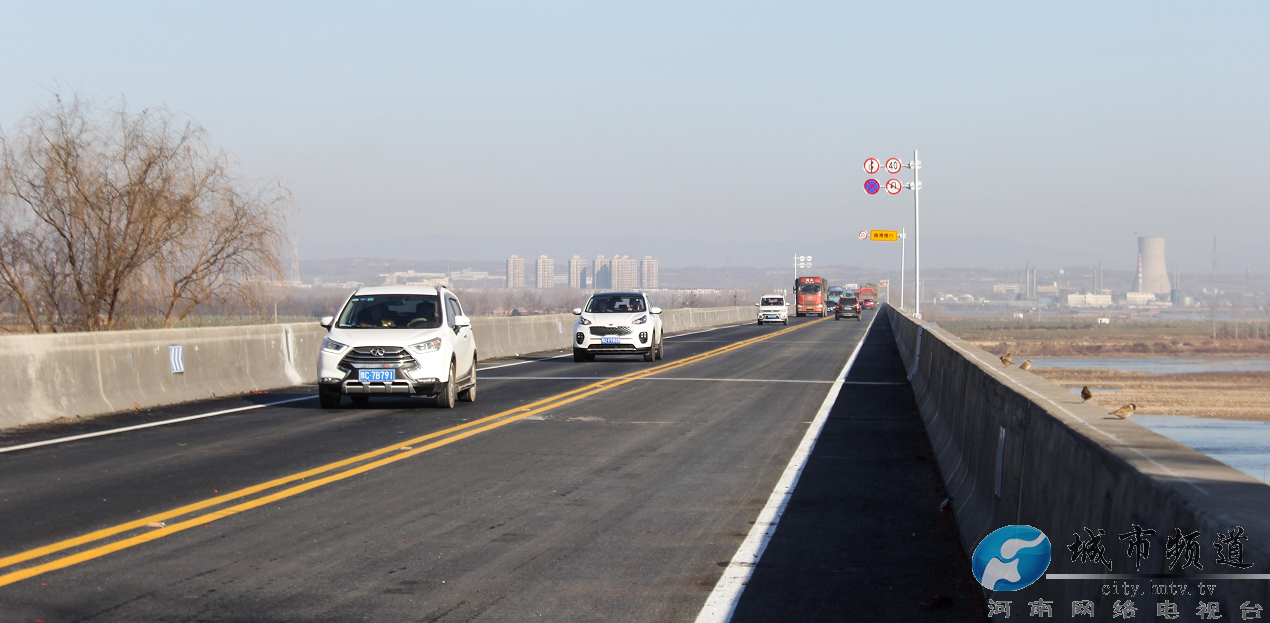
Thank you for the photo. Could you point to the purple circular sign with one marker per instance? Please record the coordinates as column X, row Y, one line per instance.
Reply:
column 872, row 187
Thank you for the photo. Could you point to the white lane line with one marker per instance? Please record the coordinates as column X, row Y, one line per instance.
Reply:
column 875, row 382
column 618, row 378
column 669, row 337
column 115, row 431
column 521, row 363
column 722, row 602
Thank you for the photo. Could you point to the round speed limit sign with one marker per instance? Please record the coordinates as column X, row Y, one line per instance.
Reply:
column 894, row 186
column 864, row 235
column 872, row 166
column 893, row 166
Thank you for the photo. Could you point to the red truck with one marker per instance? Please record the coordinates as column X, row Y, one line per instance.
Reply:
column 811, row 296
column 868, row 295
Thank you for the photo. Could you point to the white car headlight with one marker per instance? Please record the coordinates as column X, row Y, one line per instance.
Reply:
column 640, row 320
column 331, row 346
column 583, row 321
column 431, row 345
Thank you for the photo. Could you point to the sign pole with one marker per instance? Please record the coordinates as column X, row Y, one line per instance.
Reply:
column 903, row 242
column 916, row 165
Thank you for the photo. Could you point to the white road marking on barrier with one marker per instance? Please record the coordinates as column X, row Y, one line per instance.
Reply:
column 722, row 602
column 651, row 378
column 113, row 431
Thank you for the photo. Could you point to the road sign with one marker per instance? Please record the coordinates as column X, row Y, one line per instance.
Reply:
column 884, row 283
column 872, row 186
column 894, row 165
column 884, row 235
column 864, row 234
column 894, row 186
column 872, row 166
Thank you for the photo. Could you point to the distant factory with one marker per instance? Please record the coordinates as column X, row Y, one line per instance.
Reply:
column 620, row 272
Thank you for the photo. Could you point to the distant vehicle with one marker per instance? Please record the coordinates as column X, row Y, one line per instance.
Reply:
column 617, row 323
column 868, row 295
column 399, row 341
column 811, row 296
column 772, row 308
column 834, row 293
column 847, row 307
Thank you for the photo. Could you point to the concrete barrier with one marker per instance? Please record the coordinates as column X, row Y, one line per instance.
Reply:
column 51, row 376
column 1014, row 448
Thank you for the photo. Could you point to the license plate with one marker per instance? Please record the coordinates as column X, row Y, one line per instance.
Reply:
column 771, row 315
column 610, row 340
column 376, row 375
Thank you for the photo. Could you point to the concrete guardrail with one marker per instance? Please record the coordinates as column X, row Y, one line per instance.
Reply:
column 1014, row 448
column 68, row 375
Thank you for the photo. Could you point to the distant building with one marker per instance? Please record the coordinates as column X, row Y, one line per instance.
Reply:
column 1050, row 290
column 1153, row 277
column 546, row 272
column 1000, row 288
column 1139, row 299
column 515, row 272
column 625, row 273
column 648, row 273
column 411, row 278
column 577, row 272
column 1089, row 300
column 603, row 275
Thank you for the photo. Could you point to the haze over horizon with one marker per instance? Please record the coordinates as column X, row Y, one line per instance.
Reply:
column 710, row 133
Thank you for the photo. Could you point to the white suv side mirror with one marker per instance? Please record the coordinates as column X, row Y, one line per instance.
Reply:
column 462, row 321
column 655, row 310
column 327, row 321
column 577, row 311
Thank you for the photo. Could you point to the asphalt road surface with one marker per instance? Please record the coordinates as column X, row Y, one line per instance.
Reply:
column 616, row 490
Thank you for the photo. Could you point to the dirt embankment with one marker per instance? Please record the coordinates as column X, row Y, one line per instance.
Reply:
column 1233, row 395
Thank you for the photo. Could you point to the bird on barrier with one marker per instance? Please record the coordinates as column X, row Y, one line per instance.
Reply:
column 1085, row 394
column 1027, row 365
column 1006, row 359
column 1125, row 411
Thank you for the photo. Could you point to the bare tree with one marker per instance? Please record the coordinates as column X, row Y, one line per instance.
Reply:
column 106, row 214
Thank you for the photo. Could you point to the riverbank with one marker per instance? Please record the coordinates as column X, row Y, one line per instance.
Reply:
column 1227, row 395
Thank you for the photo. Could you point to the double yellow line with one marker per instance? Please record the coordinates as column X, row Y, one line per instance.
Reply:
column 396, row 452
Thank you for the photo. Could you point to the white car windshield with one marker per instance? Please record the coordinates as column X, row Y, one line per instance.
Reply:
column 771, row 302
column 391, row 311
column 616, row 304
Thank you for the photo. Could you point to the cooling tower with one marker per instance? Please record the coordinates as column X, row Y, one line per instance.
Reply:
column 1153, row 277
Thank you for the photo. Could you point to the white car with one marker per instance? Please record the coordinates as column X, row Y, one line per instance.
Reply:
column 617, row 323
column 772, row 308
column 398, row 341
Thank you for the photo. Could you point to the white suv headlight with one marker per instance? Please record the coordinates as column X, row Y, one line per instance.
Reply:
column 331, row 346
column 640, row 320
column 431, row 345
column 583, row 321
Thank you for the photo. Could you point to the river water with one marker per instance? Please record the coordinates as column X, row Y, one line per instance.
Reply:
column 1241, row 444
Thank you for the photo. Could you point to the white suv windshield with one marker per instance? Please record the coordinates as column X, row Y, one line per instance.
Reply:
column 391, row 311
column 773, row 302
column 616, row 304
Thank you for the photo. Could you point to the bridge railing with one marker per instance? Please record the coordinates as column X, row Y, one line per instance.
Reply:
column 1014, row 448
column 47, row 377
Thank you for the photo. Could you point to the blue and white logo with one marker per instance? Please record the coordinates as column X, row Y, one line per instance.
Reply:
column 1011, row 558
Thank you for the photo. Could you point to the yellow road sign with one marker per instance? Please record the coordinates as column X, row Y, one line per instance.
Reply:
column 884, row 235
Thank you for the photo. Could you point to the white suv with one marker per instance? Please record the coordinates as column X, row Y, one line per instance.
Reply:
column 772, row 308
column 398, row 341
column 617, row 323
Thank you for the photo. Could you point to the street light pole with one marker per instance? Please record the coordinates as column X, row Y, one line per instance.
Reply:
column 916, row 187
column 903, row 242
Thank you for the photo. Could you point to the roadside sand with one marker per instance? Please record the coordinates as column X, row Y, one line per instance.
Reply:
column 1230, row 395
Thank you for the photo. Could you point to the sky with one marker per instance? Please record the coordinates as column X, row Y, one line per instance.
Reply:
column 705, row 133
